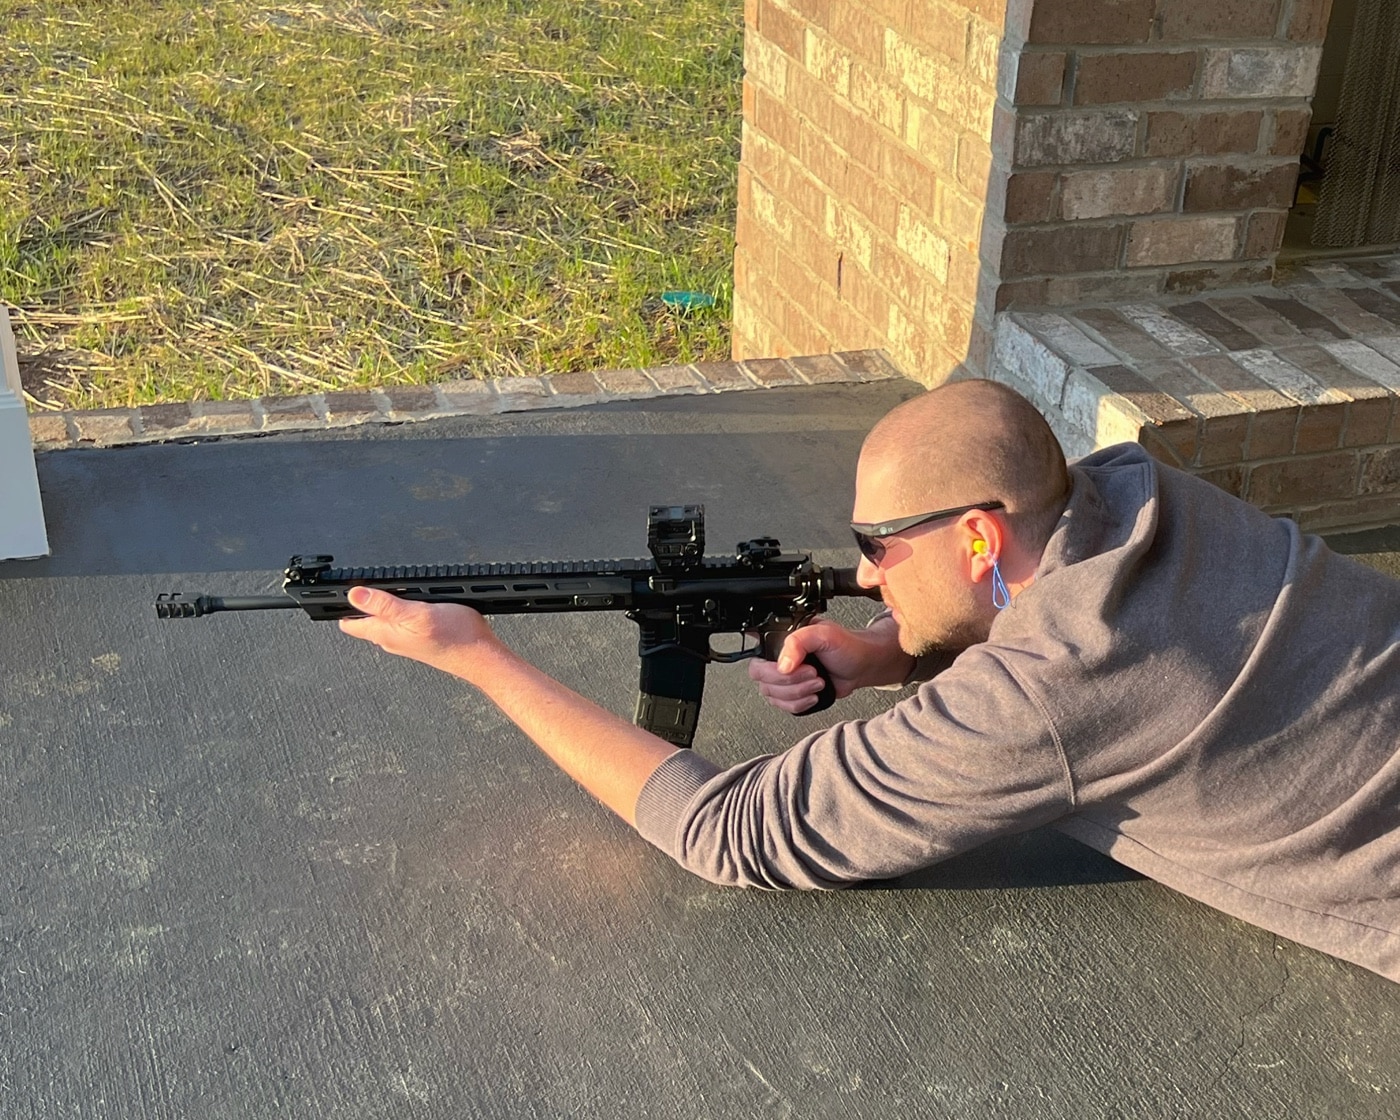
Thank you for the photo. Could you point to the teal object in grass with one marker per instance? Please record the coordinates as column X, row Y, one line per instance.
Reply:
column 687, row 301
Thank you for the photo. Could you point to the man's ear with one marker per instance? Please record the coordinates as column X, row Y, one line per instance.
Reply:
column 985, row 541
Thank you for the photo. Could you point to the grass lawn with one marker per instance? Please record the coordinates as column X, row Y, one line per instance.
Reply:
column 222, row 198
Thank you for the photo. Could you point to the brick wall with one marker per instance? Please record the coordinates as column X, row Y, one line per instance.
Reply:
column 864, row 178
column 1148, row 147
column 910, row 167
column 1286, row 395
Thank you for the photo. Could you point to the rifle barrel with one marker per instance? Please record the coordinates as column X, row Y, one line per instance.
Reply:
column 180, row 605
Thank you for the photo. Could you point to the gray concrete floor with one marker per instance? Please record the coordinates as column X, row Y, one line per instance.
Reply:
column 249, row 867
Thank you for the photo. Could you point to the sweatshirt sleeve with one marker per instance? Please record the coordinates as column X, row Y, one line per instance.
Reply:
column 969, row 757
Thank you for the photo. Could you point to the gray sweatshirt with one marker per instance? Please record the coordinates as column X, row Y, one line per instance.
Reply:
column 1194, row 688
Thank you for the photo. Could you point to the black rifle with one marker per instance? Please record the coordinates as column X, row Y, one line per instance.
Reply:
column 680, row 599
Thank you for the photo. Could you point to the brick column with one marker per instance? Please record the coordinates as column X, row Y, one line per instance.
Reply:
column 1148, row 147
column 866, row 156
column 911, row 167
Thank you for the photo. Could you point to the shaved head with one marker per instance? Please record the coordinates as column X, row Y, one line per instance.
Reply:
column 966, row 442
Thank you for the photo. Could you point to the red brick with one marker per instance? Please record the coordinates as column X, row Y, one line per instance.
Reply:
column 816, row 12
column 1108, row 191
column 781, row 28
column 1105, row 136
column 789, row 274
column 1040, row 78
column 942, row 28
column 910, row 177
column 1368, row 422
column 1310, row 478
column 1215, row 326
column 1305, row 319
column 777, row 121
column 1259, row 71
column 806, row 196
column 983, row 60
column 1223, row 439
column 906, row 281
column 957, row 216
column 1290, row 132
column 812, row 247
column 878, row 100
column 950, row 322
column 1191, row 281
column 1111, row 287
column 823, row 159
column 932, row 136
column 1013, row 295
column 1165, row 241
column 898, row 14
column 1264, row 234
column 1076, row 248
column 1029, row 196
column 1218, row 19
column 1224, row 186
column 1100, row 21
column 1133, row 76
column 871, row 199
column 1204, row 134
column 1320, row 428
column 1271, row 329
column 1324, row 368
column 1164, row 411
column 748, row 235
column 989, row 11
column 852, row 26
column 1162, row 447
column 853, row 133
column 865, row 294
column 1229, row 479
column 1309, row 22
column 813, row 100
column 1380, row 472
column 761, row 156
column 1271, row 433
column 1126, row 337
column 974, row 164
column 1362, row 513
column 964, row 274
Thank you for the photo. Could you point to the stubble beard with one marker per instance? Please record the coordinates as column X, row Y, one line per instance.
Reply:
column 943, row 637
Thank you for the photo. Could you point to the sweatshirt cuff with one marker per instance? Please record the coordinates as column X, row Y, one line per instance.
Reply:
column 666, row 795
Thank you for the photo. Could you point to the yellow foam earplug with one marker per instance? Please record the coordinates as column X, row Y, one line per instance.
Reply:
column 979, row 547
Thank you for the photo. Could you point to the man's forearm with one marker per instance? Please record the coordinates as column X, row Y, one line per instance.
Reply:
column 609, row 757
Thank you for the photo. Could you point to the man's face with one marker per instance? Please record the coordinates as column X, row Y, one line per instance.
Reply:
column 922, row 575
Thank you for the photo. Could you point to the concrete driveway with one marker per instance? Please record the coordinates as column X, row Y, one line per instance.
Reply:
column 251, row 868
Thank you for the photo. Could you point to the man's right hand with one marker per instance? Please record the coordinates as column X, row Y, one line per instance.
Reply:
column 853, row 659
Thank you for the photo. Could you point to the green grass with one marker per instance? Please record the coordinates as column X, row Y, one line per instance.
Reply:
column 227, row 199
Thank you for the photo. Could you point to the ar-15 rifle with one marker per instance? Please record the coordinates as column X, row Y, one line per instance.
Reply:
column 680, row 599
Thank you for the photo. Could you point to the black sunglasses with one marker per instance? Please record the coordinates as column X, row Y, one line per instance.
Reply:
column 870, row 535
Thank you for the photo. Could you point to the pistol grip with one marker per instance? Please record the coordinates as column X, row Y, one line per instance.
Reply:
column 827, row 696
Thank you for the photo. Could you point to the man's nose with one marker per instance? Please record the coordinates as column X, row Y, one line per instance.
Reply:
column 869, row 573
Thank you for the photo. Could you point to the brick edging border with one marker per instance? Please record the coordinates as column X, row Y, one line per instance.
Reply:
column 116, row 427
